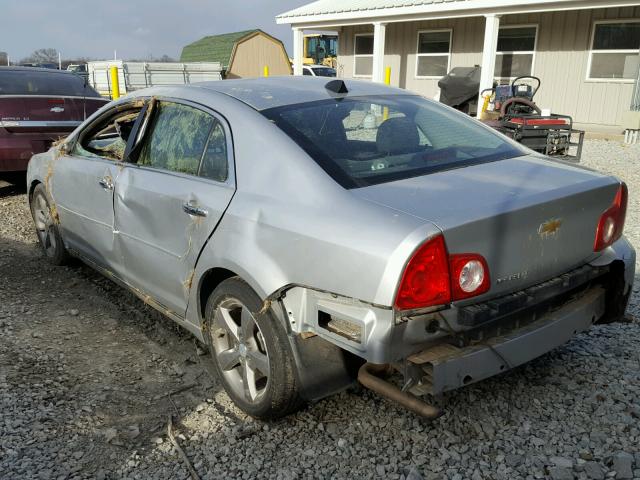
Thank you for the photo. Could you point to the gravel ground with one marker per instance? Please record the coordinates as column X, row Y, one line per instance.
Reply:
column 89, row 377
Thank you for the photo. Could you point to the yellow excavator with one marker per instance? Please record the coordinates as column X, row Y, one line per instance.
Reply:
column 320, row 49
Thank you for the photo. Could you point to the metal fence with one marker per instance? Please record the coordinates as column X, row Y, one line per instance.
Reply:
column 136, row 75
column 635, row 98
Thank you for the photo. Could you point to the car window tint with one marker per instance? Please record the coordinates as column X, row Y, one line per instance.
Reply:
column 109, row 138
column 177, row 139
column 365, row 141
column 25, row 82
column 215, row 163
column 324, row 72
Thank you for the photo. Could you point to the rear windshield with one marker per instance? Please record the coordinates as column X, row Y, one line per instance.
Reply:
column 24, row 82
column 363, row 141
column 324, row 72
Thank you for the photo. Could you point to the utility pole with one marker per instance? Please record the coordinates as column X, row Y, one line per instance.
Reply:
column 59, row 61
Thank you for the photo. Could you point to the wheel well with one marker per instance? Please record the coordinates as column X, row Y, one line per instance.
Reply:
column 210, row 280
column 32, row 187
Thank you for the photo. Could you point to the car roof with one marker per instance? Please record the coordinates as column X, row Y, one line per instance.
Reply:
column 271, row 92
column 32, row 69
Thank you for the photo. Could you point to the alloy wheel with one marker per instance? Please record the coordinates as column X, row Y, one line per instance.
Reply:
column 240, row 350
column 44, row 224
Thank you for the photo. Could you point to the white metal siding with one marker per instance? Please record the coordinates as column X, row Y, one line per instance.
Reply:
column 561, row 59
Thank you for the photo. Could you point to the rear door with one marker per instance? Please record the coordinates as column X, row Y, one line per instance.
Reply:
column 169, row 202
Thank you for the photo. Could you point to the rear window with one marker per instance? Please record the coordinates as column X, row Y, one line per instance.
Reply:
column 24, row 82
column 324, row 72
column 365, row 141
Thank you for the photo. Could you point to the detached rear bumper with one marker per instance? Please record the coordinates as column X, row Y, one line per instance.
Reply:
column 445, row 368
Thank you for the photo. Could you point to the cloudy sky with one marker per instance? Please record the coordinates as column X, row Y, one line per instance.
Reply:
column 135, row 28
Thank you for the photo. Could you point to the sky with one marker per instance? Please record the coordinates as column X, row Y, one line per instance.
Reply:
column 135, row 28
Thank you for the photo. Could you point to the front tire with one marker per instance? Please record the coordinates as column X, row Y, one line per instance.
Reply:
column 47, row 227
column 250, row 352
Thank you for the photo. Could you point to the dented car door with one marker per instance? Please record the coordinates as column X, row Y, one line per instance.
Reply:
column 82, row 183
column 169, row 199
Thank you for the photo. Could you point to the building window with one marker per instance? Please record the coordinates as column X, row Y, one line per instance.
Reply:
column 516, row 51
column 434, row 53
column 363, row 55
column 614, row 51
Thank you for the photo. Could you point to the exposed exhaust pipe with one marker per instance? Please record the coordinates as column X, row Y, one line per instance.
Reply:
column 369, row 376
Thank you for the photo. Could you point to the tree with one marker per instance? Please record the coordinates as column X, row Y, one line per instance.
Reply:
column 42, row 55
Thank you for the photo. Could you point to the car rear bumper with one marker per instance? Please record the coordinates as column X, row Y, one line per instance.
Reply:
column 446, row 367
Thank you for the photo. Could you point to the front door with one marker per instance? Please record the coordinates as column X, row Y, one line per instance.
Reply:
column 82, row 182
column 170, row 200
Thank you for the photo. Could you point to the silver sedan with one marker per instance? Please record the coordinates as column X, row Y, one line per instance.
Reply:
column 314, row 231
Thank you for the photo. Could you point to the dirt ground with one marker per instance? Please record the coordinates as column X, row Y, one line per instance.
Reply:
column 89, row 376
column 101, row 364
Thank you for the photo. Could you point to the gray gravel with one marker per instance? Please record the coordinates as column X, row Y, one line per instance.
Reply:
column 85, row 372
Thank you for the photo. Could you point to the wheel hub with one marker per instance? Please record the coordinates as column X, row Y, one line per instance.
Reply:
column 239, row 347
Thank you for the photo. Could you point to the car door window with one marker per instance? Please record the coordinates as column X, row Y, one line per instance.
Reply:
column 177, row 139
column 108, row 139
column 215, row 162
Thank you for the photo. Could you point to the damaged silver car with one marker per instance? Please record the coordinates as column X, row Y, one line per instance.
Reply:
column 316, row 232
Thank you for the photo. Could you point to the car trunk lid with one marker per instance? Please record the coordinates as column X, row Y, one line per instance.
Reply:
column 23, row 114
column 531, row 218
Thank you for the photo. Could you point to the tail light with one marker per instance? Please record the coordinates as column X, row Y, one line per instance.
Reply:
column 425, row 281
column 611, row 222
column 433, row 277
column 469, row 275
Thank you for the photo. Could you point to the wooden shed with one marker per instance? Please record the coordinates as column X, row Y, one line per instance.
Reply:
column 242, row 54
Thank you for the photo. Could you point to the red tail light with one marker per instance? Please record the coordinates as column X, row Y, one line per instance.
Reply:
column 425, row 281
column 433, row 277
column 611, row 222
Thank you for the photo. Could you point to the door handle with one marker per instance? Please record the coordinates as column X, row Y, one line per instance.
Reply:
column 106, row 183
column 193, row 210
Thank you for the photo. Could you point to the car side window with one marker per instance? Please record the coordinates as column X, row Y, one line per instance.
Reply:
column 307, row 71
column 108, row 139
column 215, row 162
column 178, row 138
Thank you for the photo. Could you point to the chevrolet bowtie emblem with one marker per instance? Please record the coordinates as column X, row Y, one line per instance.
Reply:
column 550, row 227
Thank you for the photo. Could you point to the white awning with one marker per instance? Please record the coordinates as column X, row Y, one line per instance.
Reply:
column 352, row 12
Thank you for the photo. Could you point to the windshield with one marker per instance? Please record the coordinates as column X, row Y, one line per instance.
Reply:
column 24, row 82
column 363, row 141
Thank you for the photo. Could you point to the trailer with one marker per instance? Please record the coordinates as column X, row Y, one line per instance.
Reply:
column 136, row 75
column 510, row 109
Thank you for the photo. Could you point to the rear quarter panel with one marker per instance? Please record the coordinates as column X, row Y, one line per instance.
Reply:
column 290, row 223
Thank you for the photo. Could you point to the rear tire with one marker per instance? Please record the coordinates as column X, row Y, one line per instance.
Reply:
column 250, row 352
column 47, row 227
